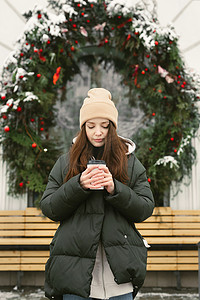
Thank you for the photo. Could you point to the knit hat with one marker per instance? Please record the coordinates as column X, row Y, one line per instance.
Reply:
column 98, row 104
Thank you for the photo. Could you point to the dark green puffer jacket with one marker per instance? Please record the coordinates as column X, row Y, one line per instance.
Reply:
column 86, row 217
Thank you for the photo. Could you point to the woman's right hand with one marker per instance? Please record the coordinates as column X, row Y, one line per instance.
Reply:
column 87, row 181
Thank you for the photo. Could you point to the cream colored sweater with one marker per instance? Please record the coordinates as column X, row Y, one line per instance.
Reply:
column 103, row 285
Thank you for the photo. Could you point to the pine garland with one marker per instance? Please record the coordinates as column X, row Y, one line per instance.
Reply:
column 48, row 55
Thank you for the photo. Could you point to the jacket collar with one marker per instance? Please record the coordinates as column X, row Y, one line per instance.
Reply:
column 131, row 145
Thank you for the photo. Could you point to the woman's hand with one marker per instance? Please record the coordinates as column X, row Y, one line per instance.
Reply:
column 87, row 179
column 107, row 181
column 96, row 177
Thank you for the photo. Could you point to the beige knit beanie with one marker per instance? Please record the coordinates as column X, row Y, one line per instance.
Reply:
column 98, row 104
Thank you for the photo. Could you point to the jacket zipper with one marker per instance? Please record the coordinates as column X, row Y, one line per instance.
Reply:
column 104, row 289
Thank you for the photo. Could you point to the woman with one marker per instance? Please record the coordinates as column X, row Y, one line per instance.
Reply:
column 97, row 251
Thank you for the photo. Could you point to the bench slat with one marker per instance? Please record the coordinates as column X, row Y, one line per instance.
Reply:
column 30, row 253
column 12, row 267
column 34, row 260
column 172, row 240
column 172, row 267
column 39, row 233
column 12, row 219
column 25, row 241
column 12, row 226
column 9, row 260
column 169, row 233
column 37, row 219
column 12, row 253
column 51, row 226
column 186, row 219
column 172, row 260
column 179, row 253
column 32, row 267
column 12, row 233
column 176, row 212
column 12, row 213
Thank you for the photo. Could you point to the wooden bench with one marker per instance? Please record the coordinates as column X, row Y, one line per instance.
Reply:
column 173, row 235
column 25, row 236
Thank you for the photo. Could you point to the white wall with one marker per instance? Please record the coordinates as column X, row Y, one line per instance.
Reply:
column 8, row 202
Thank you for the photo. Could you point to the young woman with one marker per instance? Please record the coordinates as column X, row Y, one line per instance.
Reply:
column 96, row 251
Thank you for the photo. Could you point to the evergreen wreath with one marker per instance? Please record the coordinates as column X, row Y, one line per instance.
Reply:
column 48, row 55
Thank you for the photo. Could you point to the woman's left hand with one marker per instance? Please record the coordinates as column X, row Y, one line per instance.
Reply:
column 107, row 181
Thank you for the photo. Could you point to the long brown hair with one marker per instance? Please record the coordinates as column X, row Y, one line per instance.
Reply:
column 113, row 152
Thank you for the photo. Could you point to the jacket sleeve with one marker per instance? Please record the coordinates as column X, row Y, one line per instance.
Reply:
column 134, row 202
column 60, row 200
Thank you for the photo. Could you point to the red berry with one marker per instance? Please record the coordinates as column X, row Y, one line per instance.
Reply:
column 179, row 76
column 21, row 76
column 182, row 85
column 154, row 66
column 61, row 50
column 32, row 45
column 150, row 148
column 164, row 97
column 76, row 42
column 41, row 129
column 149, row 179
column 6, row 128
column 39, row 75
column 21, row 184
column 3, row 97
column 72, row 48
column 88, row 21
column 113, row 28
column 26, row 44
column 78, row 5
column 156, row 43
column 136, row 33
column 170, row 42
column 40, row 50
column 91, row 5
column 34, row 145
column 106, row 41
column 48, row 42
column 119, row 17
column 147, row 55
column 39, row 16
column 82, row 14
column 143, row 72
column 153, row 114
column 42, row 122
column 4, row 117
column 70, row 20
column 146, row 69
column 21, row 54
column 74, row 25
column 178, row 82
column 19, row 108
column 32, row 120
column 184, row 82
column 172, row 139
column 175, row 150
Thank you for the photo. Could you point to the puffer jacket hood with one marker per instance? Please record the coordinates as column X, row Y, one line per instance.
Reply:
column 89, row 217
column 131, row 145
